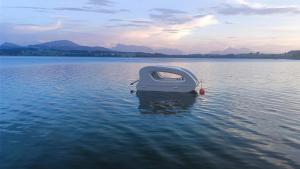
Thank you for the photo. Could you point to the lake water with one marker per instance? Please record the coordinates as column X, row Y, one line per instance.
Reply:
column 68, row 113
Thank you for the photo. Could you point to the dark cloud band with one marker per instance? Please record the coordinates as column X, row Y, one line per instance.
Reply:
column 228, row 9
column 82, row 9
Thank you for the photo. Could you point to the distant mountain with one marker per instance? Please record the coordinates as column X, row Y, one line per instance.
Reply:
column 56, row 44
column 66, row 45
column 169, row 51
column 7, row 45
column 132, row 48
column 232, row 51
column 294, row 52
column 69, row 48
column 144, row 49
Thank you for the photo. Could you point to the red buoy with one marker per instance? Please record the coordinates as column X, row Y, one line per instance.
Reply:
column 202, row 91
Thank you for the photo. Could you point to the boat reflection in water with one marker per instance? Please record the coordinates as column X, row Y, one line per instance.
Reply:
column 165, row 102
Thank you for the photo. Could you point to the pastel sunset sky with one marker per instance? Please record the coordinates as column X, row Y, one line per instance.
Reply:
column 193, row 26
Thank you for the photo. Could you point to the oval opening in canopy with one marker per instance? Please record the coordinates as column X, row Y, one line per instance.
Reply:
column 166, row 76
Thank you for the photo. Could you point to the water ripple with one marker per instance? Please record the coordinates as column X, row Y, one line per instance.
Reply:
column 82, row 115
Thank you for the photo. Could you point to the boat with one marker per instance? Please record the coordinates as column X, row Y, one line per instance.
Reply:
column 166, row 79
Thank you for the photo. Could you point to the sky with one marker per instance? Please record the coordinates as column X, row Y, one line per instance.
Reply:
column 192, row 26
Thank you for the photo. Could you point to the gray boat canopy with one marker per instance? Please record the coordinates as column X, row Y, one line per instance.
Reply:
column 166, row 79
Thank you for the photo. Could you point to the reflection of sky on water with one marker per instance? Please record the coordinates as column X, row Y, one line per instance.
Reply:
column 249, row 116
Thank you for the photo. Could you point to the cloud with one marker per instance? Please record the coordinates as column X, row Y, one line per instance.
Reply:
column 173, row 31
column 101, row 2
column 176, row 24
column 129, row 23
column 170, row 35
column 132, row 21
column 286, row 28
column 169, row 16
column 198, row 22
column 82, row 9
column 168, row 11
column 163, row 24
column 87, row 9
column 28, row 28
column 228, row 23
column 95, row 9
column 126, row 25
column 29, row 7
column 244, row 7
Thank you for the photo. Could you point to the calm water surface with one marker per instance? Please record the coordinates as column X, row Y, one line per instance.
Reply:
column 79, row 113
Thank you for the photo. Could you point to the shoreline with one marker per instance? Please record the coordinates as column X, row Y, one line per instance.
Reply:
column 165, row 57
